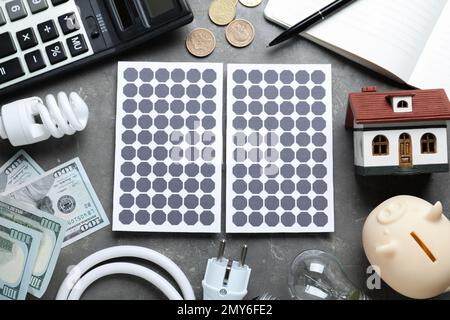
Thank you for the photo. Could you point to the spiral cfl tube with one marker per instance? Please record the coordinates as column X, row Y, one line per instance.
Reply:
column 29, row 121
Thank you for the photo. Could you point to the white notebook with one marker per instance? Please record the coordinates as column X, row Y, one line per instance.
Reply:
column 406, row 40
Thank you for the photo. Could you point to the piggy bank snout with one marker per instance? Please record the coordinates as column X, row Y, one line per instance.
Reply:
column 391, row 214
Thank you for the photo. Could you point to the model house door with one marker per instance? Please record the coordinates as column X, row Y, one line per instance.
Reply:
column 405, row 150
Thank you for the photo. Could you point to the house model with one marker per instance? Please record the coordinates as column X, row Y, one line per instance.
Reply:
column 399, row 132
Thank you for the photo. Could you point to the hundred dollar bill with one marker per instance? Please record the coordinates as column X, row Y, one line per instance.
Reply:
column 52, row 229
column 18, row 170
column 66, row 192
column 19, row 247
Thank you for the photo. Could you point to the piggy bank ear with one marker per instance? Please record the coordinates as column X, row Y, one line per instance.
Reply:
column 435, row 212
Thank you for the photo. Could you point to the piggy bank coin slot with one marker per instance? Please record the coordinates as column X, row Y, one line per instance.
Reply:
column 423, row 246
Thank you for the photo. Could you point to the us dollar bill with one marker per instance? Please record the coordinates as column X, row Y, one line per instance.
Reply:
column 67, row 193
column 53, row 230
column 18, row 170
column 19, row 246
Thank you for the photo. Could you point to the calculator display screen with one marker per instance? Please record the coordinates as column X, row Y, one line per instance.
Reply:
column 159, row 7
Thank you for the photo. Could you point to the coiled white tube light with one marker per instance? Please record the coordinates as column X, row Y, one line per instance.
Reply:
column 28, row 121
column 79, row 279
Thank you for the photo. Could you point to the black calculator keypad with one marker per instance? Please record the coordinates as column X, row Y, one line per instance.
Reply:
column 69, row 23
column 38, row 37
column 35, row 61
column 16, row 10
column 27, row 39
column 48, row 31
column 37, row 5
column 7, row 46
column 10, row 70
column 56, row 53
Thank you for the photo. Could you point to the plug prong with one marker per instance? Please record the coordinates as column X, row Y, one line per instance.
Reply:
column 221, row 249
column 243, row 255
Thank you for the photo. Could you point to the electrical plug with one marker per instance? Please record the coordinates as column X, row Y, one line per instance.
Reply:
column 226, row 279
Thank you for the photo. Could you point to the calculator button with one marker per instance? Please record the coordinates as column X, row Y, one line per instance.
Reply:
column 56, row 53
column 7, row 46
column 69, row 23
column 77, row 45
column 58, row 2
column 34, row 61
column 26, row 38
column 48, row 31
column 10, row 70
column 37, row 5
column 2, row 18
column 16, row 10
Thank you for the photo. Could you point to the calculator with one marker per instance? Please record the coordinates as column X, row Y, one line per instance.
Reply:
column 42, row 38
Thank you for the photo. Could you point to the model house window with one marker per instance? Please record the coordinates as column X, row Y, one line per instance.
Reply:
column 428, row 143
column 380, row 146
column 402, row 104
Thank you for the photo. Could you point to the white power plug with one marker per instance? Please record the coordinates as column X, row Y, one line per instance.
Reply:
column 226, row 279
column 29, row 121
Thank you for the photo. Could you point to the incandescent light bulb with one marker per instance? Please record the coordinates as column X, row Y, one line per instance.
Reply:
column 317, row 275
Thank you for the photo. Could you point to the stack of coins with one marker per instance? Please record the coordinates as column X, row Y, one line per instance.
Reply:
column 239, row 33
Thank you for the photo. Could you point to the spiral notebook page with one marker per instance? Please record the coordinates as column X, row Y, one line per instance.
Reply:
column 435, row 60
column 387, row 36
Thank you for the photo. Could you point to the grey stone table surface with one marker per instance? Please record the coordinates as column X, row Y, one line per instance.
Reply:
column 269, row 255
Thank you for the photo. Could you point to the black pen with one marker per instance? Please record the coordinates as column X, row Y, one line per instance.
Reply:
column 311, row 20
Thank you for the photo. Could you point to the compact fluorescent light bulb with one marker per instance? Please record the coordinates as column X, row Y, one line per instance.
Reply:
column 28, row 121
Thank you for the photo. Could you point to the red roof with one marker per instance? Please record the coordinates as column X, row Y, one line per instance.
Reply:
column 375, row 107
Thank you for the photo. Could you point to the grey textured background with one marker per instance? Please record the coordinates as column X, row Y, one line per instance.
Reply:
column 269, row 255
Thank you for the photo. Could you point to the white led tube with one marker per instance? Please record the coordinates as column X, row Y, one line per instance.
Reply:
column 122, row 252
column 124, row 268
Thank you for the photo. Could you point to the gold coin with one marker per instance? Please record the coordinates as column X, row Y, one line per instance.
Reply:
column 250, row 3
column 201, row 42
column 240, row 33
column 222, row 12
column 234, row 2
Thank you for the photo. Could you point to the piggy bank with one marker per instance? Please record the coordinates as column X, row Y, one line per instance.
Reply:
column 408, row 239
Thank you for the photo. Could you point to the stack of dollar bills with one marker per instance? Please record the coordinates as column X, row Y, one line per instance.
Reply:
column 41, row 212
